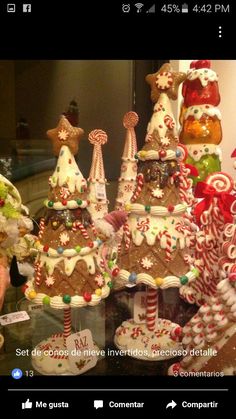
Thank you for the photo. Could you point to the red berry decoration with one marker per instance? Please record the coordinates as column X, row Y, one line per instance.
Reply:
column 2, row 202
column 64, row 202
column 162, row 154
column 115, row 272
column 170, row 208
column 87, row 296
column 24, row 288
column 46, row 248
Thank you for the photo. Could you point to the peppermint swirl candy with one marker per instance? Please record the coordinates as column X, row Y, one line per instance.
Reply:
column 143, row 226
column 222, row 182
column 97, row 137
column 130, row 120
column 169, row 122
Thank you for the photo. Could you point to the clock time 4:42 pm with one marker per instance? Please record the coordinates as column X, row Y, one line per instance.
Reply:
column 211, row 8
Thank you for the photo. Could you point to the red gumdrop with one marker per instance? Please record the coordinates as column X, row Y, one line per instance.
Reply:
column 176, row 367
column 87, row 296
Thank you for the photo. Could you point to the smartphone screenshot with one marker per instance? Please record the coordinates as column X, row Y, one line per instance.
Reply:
column 117, row 208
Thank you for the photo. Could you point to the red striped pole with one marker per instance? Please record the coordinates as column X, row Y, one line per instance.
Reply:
column 152, row 308
column 67, row 324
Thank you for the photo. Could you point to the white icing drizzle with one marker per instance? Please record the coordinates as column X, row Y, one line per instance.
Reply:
column 152, row 228
column 67, row 172
column 197, row 151
column 139, row 209
column 162, row 110
column 205, row 75
column 69, row 264
column 199, row 110
column 155, row 155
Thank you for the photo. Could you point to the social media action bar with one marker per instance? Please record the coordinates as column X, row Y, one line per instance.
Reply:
column 13, row 8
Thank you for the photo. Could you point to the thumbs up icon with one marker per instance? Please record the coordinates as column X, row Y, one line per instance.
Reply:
column 27, row 405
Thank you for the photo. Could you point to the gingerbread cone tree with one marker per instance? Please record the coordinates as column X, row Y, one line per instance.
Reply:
column 201, row 119
column 67, row 265
column 98, row 203
column 127, row 179
column 158, row 233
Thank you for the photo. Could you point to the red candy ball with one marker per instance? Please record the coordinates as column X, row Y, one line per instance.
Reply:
column 232, row 277
column 90, row 244
column 64, row 202
column 45, row 248
column 2, row 202
column 87, row 296
column 170, row 208
column 115, row 272
column 162, row 154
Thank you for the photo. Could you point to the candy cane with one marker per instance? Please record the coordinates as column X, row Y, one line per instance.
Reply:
column 139, row 185
column 94, row 229
column 41, row 228
column 127, row 235
column 167, row 244
column 67, row 324
column 77, row 225
column 152, row 308
column 38, row 273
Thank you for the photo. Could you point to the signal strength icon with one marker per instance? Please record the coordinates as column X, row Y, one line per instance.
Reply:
column 139, row 7
column 152, row 9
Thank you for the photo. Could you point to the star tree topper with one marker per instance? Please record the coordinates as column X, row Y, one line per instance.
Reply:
column 165, row 80
column 65, row 134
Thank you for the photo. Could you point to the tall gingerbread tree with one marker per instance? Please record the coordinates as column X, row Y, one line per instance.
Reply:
column 127, row 179
column 201, row 119
column 98, row 203
column 68, row 269
column 158, row 233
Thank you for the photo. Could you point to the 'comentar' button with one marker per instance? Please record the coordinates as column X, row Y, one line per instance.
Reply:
column 126, row 405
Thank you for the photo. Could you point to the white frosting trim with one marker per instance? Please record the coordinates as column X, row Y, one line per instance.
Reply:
column 139, row 209
column 144, row 278
column 155, row 155
column 67, row 252
column 202, row 74
column 69, row 204
column 76, row 301
column 197, row 151
column 199, row 110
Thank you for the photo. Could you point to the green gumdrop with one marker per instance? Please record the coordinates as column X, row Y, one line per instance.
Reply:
column 206, row 165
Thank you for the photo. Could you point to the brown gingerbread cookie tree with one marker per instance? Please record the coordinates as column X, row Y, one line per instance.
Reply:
column 68, row 269
column 158, row 232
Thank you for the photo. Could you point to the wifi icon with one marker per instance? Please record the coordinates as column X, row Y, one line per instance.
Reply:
column 139, row 7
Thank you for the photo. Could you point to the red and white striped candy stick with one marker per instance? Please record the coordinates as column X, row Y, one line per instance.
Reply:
column 152, row 308
column 78, row 225
column 127, row 235
column 139, row 185
column 167, row 244
column 94, row 229
column 38, row 275
column 67, row 324
column 41, row 228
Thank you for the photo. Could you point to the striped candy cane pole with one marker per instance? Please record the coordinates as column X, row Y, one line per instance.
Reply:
column 41, row 228
column 152, row 308
column 127, row 235
column 94, row 229
column 166, row 244
column 67, row 324
column 140, row 182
